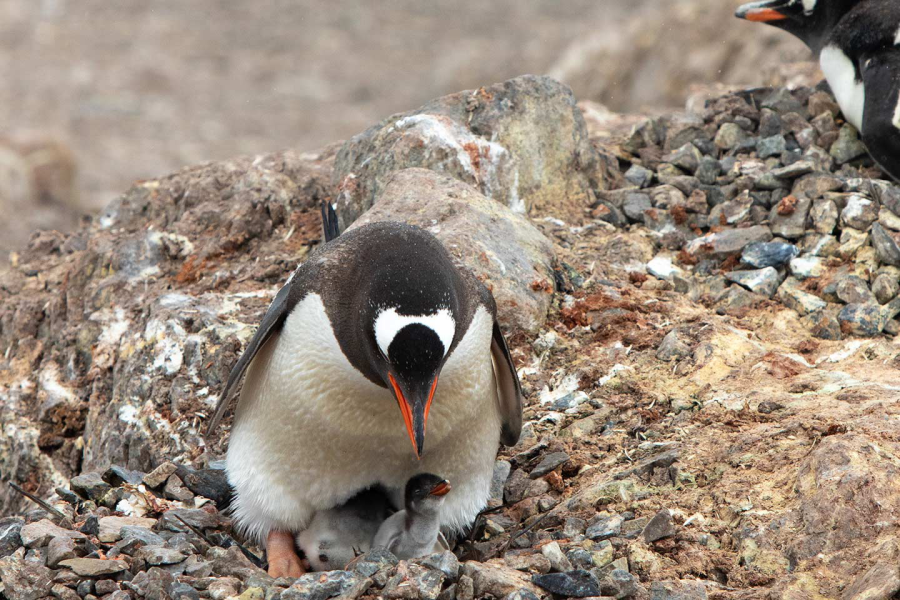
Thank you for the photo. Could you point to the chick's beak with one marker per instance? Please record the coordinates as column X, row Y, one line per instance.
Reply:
column 414, row 406
column 765, row 11
column 441, row 489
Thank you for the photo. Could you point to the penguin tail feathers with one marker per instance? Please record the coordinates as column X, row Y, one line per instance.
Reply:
column 330, row 227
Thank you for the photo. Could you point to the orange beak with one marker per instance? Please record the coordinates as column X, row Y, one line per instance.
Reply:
column 415, row 414
column 763, row 12
column 764, row 15
column 441, row 489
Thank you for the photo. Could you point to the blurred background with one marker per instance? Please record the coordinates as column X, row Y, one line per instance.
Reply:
column 96, row 94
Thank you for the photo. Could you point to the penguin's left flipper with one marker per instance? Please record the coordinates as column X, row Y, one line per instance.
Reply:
column 285, row 301
column 509, row 391
column 330, row 226
column 881, row 118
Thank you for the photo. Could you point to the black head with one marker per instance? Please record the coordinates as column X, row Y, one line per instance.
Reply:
column 809, row 20
column 425, row 491
column 410, row 314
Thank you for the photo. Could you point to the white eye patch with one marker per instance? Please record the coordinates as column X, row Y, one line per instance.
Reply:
column 809, row 6
column 388, row 324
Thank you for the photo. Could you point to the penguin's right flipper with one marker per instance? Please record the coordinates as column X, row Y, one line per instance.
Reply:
column 881, row 119
column 330, row 226
column 509, row 391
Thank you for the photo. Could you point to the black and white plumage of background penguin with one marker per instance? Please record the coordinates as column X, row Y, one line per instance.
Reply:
column 858, row 46
column 376, row 318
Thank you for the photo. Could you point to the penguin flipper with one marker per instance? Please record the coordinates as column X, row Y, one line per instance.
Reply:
column 509, row 391
column 330, row 226
column 881, row 117
column 285, row 300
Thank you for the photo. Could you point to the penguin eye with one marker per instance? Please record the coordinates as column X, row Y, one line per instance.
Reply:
column 323, row 558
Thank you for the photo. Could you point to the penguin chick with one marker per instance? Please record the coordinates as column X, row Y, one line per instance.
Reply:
column 415, row 531
column 336, row 536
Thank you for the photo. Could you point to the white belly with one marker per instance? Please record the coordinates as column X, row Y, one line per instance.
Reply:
column 310, row 430
column 848, row 90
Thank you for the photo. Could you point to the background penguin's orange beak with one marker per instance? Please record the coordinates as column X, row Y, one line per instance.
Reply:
column 762, row 12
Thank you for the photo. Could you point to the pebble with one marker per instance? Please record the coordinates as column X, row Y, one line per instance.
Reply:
column 887, row 245
column 639, row 176
column 860, row 212
column 10, row 538
column 39, row 533
column 90, row 486
column 619, row 584
column 847, row 146
column 885, row 288
column 729, row 136
column 760, row 281
column 558, row 560
column 635, row 206
column 602, row 528
column 728, row 241
column 768, row 254
column 659, row 527
column 110, row 528
column 791, row 294
column 852, row 240
column 771, row 146
column 851, row 289
column 672, row 347
column 888, row 219
column 787, row 219
column 804, row 267
column 864, row 320
column 574, row 584
column 661, row 267
column 321, row 585
column 59, row 549
column 159, row 555
column 175, row 490
column 159, row 475
column 602, row 553
column 548, row 464
column 502, row 469
column 105, row 586
column 209, row 483
column 824, row 215
column 94, row 567
column 117, row 476
column 197, row 517
column 445, row 562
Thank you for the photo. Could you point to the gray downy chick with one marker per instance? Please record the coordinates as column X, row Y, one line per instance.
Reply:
column 336, row 536
column 415, row 531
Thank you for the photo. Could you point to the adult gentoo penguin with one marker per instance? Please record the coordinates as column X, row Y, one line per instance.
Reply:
column 858, row 46
column 378, row 359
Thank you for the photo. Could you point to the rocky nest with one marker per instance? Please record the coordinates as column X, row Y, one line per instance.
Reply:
column 687, row 434
column 766, row 194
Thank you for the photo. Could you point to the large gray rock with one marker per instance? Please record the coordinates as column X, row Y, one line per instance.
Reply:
column 522, row 143
column 502, row 248
column 137, row 317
